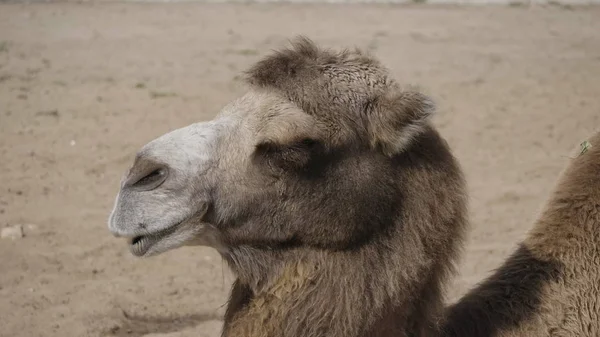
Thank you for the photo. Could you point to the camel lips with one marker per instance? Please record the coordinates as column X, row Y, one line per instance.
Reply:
column 140, row 244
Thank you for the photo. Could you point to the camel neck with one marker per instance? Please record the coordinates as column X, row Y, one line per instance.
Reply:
column 331, row 294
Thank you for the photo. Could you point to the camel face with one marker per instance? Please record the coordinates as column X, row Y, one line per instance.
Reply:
column 309, row 157
column 175, row 178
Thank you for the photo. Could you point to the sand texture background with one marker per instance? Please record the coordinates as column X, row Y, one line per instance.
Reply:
column 83, row 86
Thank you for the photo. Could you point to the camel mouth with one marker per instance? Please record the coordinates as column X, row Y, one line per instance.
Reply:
column 141, row 245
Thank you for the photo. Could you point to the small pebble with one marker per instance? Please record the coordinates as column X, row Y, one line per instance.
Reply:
column 12, row 232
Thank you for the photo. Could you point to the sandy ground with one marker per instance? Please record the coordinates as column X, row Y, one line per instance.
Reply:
column 82, row 87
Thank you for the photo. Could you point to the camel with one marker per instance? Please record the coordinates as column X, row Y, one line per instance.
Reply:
column 338, row 206
column 550, row 285
column 342, row 211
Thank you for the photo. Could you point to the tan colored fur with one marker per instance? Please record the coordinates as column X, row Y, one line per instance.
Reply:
column 266, row 312
column 551, row 285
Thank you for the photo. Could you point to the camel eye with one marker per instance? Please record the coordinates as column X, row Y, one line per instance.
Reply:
column 152, row 180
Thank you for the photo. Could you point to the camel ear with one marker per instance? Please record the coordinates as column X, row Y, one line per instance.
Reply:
column 397, row 118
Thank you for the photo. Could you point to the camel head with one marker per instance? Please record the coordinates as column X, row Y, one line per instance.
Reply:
column 305, row 157
column 325, row 176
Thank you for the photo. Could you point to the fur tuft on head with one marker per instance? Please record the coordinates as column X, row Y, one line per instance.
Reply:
column 349, row 91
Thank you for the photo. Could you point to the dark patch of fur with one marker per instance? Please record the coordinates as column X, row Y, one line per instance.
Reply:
column 301, row 155
column 507, row 299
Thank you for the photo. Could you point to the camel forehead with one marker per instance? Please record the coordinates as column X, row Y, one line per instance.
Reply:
column 266, row 115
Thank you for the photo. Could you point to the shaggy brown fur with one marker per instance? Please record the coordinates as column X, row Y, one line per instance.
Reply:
column 551, row 285
column 359, row 217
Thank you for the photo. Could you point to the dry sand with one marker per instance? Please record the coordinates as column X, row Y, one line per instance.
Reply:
column 82, row 87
